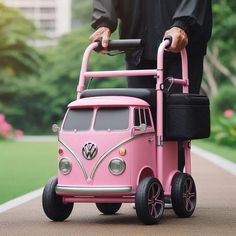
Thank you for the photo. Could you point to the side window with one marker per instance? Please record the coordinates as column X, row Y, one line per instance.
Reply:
column 142, row 116
column 136, row 117
column 148, row 118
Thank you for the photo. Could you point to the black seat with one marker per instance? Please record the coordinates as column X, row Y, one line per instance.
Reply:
column 147, row 95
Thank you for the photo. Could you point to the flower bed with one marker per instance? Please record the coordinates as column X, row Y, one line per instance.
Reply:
column 6, row 129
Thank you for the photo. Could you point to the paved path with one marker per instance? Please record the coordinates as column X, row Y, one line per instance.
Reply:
column 37, row 138
column 215, row 213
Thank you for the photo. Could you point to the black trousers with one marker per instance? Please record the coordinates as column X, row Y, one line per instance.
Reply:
column 172, row 68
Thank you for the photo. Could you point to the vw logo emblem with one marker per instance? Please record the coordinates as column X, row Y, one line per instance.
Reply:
column 89, row 150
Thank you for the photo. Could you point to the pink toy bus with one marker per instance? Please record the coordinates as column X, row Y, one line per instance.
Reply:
column 121, row 145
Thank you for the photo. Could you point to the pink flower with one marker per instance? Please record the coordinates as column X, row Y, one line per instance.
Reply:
column 2, row 118
column 19, row 133
column 228, row 113
column 6, row 127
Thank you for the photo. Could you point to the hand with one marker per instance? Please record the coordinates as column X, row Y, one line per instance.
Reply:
column 102, row 33
column 179, row 39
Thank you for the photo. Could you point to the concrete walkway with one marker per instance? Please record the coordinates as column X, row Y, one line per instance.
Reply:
column 37, row 138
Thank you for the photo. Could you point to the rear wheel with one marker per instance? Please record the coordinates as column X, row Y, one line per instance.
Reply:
column 108, row 208
column 183, row 195
column 149, row 201
column 53, row 205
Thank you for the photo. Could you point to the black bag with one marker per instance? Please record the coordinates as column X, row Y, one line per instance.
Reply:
column 186, row 116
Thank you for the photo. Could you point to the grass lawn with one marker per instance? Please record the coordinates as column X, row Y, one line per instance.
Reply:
column 25, row 166
column 228, row 153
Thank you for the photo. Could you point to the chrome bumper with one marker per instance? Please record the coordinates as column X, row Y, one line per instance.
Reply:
column 92, row 190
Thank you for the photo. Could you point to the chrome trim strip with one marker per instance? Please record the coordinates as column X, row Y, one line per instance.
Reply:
column 76, row 157
column 92, row 190
column 113, row 148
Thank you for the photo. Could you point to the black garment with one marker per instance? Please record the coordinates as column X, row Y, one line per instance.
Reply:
column 149, row 19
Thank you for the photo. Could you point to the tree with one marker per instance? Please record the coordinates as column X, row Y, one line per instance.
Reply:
column 220, row 62
column 34, row 102
column 16, row 56
column 18, row 61
column 81, row 11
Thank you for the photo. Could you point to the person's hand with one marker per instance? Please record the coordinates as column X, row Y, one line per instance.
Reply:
column 103, row 34
column 179, row 39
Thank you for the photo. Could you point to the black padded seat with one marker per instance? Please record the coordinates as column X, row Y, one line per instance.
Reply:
column 147, row 95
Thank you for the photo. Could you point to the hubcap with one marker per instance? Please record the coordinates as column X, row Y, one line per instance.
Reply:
column 155, row 201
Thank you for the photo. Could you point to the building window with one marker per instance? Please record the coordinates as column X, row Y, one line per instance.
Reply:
column 48, row 24
column 47, row 10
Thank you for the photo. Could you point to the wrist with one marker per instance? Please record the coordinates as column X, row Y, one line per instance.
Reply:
column 184, row 23
column 103, row 25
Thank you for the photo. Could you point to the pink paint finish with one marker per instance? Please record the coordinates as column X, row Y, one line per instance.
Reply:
column 108, row 101
column 144, row 151
column 140, row 152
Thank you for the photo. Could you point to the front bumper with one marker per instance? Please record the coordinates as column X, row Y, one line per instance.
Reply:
column 77, row 190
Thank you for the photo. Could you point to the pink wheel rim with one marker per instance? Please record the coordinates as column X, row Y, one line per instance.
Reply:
column 155, row 201
column 189, row 195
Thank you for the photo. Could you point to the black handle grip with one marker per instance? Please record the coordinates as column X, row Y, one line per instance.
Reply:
column 120, row 44
column 123, row 44
column 170, row 41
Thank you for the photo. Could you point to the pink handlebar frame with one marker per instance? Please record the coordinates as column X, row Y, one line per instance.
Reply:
column 99, row 74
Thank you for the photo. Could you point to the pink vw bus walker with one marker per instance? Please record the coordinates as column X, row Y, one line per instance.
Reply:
column 121, row 145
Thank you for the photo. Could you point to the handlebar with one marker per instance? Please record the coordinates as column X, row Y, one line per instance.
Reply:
column 121, row 44
column 131, row 43
column 170, row 39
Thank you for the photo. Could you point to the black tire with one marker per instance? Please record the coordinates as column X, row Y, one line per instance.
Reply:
column 53, row 205
column 183, row 195
column 149, row 201
column 108, row 208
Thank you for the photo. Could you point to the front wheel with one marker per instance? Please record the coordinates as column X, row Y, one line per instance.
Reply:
column 149, row 201
column 53, row 205
column 108, row 208
column 183, row 195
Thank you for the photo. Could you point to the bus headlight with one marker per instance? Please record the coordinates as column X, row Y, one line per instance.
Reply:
column 65, row 166
column 117, row 166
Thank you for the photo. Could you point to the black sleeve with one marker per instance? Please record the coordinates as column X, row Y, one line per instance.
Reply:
column 191, row 15
column 104, row 14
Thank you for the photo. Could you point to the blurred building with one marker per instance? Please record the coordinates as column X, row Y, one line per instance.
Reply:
column 53, row 17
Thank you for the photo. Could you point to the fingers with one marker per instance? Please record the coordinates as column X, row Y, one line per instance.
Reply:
column 179, row 39
column 102, row 33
